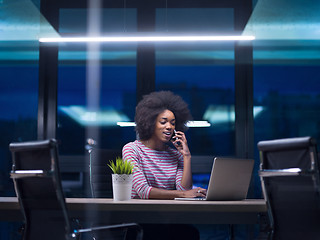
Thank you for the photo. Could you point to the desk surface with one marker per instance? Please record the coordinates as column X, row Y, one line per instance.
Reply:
column 155, row 211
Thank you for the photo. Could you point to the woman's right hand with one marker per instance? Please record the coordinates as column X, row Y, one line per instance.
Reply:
column 181, row 144
column 195, row 192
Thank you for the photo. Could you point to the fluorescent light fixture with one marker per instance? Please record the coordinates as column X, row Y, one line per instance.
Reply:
column 188, row 124
column 126, row 124
column 222, row 114
column 198, row 124
column 147, row 38
column 104, row 117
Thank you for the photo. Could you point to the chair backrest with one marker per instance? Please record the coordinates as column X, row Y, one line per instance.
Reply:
column 35, row 172
column 289, row 171
column 100, row 174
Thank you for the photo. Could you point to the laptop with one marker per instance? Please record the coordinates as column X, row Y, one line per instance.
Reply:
column 229, row 180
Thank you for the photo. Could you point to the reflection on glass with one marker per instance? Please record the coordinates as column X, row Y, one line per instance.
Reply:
column 202, row 74
column 290, row 98
column 107, row 69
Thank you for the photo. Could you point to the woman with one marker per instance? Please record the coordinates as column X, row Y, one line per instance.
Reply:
column 162, row 160
column 161, row 171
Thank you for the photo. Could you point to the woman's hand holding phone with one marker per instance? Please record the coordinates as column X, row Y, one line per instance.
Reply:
column 180, row 142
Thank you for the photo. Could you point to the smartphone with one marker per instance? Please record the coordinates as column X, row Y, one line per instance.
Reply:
column 173, row 138
column 173, row 135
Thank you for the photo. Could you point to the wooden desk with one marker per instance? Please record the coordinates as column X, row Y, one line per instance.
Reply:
column 152, row 211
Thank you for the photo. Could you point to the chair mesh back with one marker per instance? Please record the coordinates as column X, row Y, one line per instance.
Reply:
column 299, row 158
column 41, row 198
column 294, row 200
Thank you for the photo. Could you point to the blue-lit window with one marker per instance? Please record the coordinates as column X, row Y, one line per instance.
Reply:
column 19, row 112
column 286, row 93
column 289, row 97
column 202, row 73
column 97, row 83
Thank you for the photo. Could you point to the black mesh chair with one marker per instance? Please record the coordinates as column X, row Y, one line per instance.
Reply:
column 289, row 173
column 36, row 176
column 100, row 173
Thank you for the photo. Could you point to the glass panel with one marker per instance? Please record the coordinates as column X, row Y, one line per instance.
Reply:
column 19, row 57
column 18, row 118
column 97, row 83
column 286, row 90
column 117, row 103
column 96, row 89
column 289, row 98
column 112, row 20
column 202, row 73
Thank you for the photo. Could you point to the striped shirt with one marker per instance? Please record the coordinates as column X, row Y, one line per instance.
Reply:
column 152, row 168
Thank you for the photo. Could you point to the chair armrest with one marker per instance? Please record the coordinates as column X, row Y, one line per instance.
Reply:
column 280, row 172
column 285, row 172
column 29, row 173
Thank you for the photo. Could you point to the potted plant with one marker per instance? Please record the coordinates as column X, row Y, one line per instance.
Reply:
column 121, row 179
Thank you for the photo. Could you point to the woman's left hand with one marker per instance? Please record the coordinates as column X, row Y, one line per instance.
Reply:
column 180, row 142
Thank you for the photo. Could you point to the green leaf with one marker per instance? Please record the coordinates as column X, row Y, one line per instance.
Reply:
column 121, row 166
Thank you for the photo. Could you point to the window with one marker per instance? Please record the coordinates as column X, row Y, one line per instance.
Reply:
column 97, row 83
column 286, row 93
column 289, row 99
column 18, row 120
column 201, row 73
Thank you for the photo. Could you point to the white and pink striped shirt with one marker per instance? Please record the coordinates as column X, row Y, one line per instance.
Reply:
column 152, row 168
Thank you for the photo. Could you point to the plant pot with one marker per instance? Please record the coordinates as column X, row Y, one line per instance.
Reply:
column 121, row 186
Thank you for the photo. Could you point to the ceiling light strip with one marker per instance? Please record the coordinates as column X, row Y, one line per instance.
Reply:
column 188, row 124
column 148, row 39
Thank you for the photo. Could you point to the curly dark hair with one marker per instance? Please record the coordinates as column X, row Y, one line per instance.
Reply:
column 155, row 103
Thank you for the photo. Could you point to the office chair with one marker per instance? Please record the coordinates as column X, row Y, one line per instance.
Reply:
column 100, row 172
column 289, row 173
column 36, row 176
